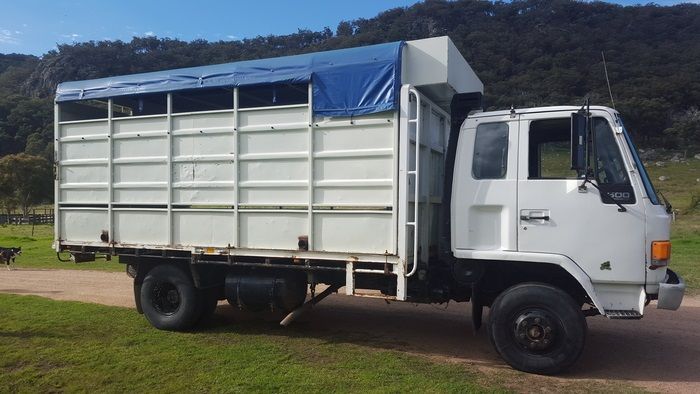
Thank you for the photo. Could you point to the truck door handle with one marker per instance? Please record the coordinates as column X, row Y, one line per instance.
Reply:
column 526, row 217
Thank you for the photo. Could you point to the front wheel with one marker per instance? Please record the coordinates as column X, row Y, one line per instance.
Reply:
column 537, row 328
column 169, row 299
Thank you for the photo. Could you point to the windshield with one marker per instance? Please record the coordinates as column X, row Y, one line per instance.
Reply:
column 609, row 168
column 648, row 186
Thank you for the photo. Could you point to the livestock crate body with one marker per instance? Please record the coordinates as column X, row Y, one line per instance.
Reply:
column 277, row 179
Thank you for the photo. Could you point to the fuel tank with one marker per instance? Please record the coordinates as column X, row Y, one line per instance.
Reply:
column 259, row 292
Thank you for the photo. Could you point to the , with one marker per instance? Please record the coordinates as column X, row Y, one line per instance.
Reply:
column 372, row 171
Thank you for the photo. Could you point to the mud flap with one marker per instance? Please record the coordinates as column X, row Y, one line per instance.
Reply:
column 477, row 309
column 137, row 297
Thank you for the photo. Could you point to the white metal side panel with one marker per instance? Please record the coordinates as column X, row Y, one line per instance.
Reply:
column 139, row 160
column 203, row 157
column 142, row 126
column 290, row 116
column 354, row 162
column 340, row 171
column 273, row 229
column 354, row 179
column 273, row 167
column 203, row 227
column 252, row 178
column 140, row 226
column 82, row 150
column 366, row 231
column 82, row 225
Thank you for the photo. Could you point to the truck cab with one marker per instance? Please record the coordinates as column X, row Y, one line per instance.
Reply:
column 525, row 196
column 516, row 196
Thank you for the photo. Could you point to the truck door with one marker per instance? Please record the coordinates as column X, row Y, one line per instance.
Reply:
column 555, row 216
column 484, row 193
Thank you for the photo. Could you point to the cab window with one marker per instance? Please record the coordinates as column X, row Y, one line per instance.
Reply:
column 550, row 144
column 490, row 151
column 549, row 157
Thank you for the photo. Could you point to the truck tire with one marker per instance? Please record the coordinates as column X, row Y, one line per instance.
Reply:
column 537, row 328
column 169, row 299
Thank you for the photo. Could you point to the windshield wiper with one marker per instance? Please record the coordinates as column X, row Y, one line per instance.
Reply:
column 582, row 187
column 669, row 207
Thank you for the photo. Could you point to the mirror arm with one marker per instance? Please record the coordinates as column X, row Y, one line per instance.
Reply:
column 586, row 179
column 668, row 206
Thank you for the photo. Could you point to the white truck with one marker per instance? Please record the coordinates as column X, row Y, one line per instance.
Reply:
column 372, row 170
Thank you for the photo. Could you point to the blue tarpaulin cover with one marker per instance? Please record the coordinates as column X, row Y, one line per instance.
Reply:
column 346, row 82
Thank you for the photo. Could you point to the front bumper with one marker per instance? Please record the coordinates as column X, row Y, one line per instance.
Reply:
column 671, row 291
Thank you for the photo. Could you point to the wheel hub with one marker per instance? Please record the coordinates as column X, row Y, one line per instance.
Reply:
column 166, row 298
column 534, row 330
column 173, row 297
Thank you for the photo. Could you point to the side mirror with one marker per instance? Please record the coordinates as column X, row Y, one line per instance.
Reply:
column 579, row 142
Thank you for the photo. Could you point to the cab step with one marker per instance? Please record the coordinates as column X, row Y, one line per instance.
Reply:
column 622, row 314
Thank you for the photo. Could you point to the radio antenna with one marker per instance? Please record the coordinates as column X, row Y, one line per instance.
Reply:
column 605, row 67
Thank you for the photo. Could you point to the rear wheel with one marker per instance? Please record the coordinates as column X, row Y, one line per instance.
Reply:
column 537, row 328
column 169, row 299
